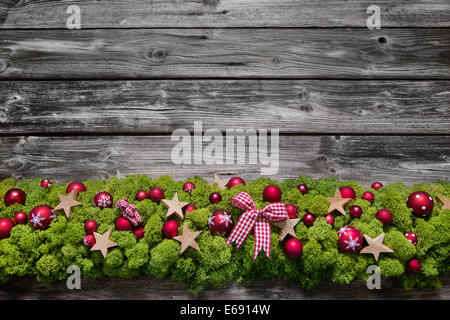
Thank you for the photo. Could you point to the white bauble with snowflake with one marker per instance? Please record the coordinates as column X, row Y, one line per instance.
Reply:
column 350, row 239
column 220, row 222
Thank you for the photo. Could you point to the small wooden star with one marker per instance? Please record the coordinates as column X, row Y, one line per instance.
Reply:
column 102, row 242
column 175, row 206
column 287, row 227
column 375, row 246
column 187, row 239
column 445, row 203
column 67, row 202
column 338, row 203
column 221, row 183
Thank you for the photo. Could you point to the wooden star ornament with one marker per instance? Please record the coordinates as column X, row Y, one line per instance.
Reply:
column 187, row 239
column 102, row 242
column 67, row 202
column 287, row 227
column 376, row 246
column 175, row 206
column 338, row 203
column 221, row 183
column 445, row 203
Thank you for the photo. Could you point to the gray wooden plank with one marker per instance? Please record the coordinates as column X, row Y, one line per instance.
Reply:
column 305, row 106
column 225, row 13
column 408, row 159
column 225, row 53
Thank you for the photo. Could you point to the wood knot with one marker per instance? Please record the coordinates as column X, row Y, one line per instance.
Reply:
column 306, row 108
column 382, row 40
column 158, row 55
column 14, row 163
column 211, row 3
column 276, row 60
column 3, row 65
column 3, row 117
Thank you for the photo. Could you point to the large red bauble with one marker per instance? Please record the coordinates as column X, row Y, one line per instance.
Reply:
column 76, row 185
column 355, row 211
column 46, row 183
column 272, row 193
column 41, row 216
column 292, row 211
column 309, row 219
column 89, row 240
column 103, row 200
column 220, row 222
column 350, row 239
column 189, row 208
column 376, row 185
column 90, row 226
column 329, row 219
column 123, row 224
column 20, row 218
column 6, row 225
column 235, row 181
column 413, row 266
column 215, row 197
column 302, row 188
column 384, row 215
column 347, row 192
column 141, row 195
column 420, row 203
column 156, row 194
column 369, row 196
column 411, row 236
column 170, row 229
column 188, row 187
column 293, row 248
column 139, row 232
column 14, row 196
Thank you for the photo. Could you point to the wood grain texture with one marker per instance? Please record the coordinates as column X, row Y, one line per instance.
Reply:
column 409, row 159
column 306, row 106
column 225, row 53
column 223, row 13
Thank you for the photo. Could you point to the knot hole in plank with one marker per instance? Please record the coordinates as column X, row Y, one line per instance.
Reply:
column 158, row 55
column 382, row 40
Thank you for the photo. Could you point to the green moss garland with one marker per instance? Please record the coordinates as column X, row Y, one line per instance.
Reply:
column 47, row 254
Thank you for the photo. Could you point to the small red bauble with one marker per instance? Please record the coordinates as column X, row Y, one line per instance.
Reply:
column 347, row 192
column 411, row 236
column 123, row 224
column 6, row 225
column 369, row 196
column 308, row 219
column 220, row 222
column 41, row 216
column 76, row 185
column 376, row 185
column 103, row 200
column 14, row 196
column 413, row 266
column 139, row 232
column 292, row 211
column 330, row 219
column 170, row 229
column 141, row 195
column 156, row 194
column 355, row 211
column 384, row 215
column 90, row 226
column 234, row 182
column 89, row 240
column 20, row 218
column 302, row 188
column 189, row 208
column 46, row 183
column 215, row 197
column 350, row 239
column 188, row 187
column 272, row 193
column 293, row 248
column 420, row 203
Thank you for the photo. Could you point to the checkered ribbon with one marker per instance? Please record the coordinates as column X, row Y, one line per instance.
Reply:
column 258, row 219
column 129, row 211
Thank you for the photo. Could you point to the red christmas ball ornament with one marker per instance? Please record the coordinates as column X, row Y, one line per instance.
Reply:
column 329, row 219
column 293, row 248
column 235, row 181
column 41, row 216
column 90, row 226
column 215, row 197
column 170, row 229
column 123, row 224
column 89, row 240
column 189, row 208
column 376, row 185
column 188, row 187
column 412, row 237
column 272, row 193
column 413, row 266
column 141, row 195
column 369, row 196
column 350, row 239
column 308, row 219
column 302, row 188
column 156, row 194
column 220, row 222
column 347, row 192
column 14, row 196
column 6, row 225
column 46, row 183
column 139, row 232
column 292, row 211
column 20, row 218
column 76, row 185
column 384, row 215
column 355, row 211
column 103, row 200
column 420, row 203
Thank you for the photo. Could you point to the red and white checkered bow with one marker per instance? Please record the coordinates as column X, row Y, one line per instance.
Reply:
column 260, row 219
column 129, row 211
